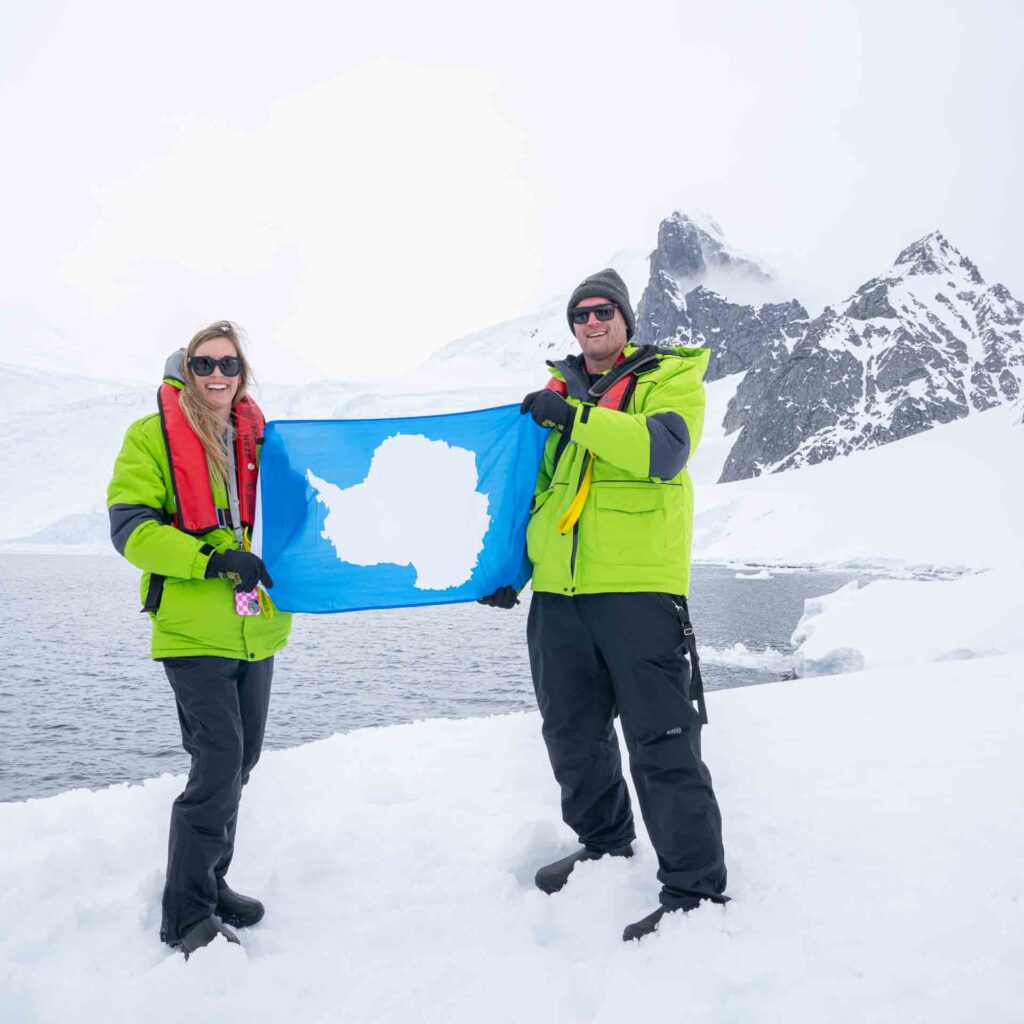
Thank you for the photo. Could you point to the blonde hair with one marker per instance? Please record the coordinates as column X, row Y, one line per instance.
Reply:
column 201, row 418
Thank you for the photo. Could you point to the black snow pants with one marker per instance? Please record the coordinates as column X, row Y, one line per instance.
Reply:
column 222, row 709
column 591, row 655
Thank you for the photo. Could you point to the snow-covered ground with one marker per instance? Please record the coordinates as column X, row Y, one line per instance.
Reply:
column 904, row 622
column 874, row 826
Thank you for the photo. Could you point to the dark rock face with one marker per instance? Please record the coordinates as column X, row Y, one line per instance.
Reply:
column 688, row 249
column 739, row 335
column 870, row 303
column 927, row 343
column 677, row 309
column 661, row 313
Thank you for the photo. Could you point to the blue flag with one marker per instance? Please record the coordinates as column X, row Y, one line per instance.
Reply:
column 391, row 513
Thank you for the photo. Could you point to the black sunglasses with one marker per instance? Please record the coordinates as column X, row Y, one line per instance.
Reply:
column 202, row 366
column 581, row 314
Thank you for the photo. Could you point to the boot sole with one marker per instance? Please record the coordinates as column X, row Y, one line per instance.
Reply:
column 236, row 921
column 552, row 886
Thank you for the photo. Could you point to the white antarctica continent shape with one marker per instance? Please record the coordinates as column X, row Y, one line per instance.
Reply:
column 418, row 506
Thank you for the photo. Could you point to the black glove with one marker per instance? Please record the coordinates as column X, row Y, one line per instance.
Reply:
column 249, row 568
column 503, row 597
column 549, row 409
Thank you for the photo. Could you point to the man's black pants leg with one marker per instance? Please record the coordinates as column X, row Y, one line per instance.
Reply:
column 577, row 705
column 591, row 654
column 222, row 710
column 641, row 639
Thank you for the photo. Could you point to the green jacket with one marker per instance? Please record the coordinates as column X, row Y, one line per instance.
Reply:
column 635, row 529
column 195, row 616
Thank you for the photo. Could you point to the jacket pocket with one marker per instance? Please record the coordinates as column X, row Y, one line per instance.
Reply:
column 630, row 523
column 200, row 614
column 538, row 526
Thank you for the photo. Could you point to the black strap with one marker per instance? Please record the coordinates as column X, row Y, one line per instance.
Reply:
column 154, row 593
column 696, row 682
column 637, row 361
column 563, row 443
column 577, row 384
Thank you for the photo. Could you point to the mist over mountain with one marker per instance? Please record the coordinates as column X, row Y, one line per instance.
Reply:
column 693, row 288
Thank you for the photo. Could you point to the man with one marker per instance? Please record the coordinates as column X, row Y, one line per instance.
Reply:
column 609, row 540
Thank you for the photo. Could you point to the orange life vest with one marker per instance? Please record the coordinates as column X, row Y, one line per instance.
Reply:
column 193, row 494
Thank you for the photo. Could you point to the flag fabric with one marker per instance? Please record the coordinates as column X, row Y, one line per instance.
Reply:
column 391, row 513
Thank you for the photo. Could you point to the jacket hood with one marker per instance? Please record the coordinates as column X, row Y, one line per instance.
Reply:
column 174, row 368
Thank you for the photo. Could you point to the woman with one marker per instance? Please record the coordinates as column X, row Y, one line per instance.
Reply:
column 181, row 504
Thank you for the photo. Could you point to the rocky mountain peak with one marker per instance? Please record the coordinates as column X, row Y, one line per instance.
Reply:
column 929, row 268
column 692, row 244
column 927, row 342
column 692, row 271
column 934, row 254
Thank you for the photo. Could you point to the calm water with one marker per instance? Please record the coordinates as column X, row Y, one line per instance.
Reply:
column 81, row 704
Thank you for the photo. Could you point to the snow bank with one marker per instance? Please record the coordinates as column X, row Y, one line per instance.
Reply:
column 396, row 865
column 715, row 444
column 948, row 497
column 900, row 622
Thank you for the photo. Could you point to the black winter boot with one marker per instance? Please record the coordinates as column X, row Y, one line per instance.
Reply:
column 235, row 909
column 553, row 877
column 646, row 926
column 203, row 934
column 683, row 903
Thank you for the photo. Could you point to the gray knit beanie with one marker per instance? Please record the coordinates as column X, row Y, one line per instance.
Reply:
column 604, row 284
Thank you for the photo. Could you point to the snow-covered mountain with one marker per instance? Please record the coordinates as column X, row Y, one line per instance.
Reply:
column 925, row 343
column 692, row 250
column 702, row 291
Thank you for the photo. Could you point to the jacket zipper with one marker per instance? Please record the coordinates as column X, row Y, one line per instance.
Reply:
column 627, row 399
column 576, row 532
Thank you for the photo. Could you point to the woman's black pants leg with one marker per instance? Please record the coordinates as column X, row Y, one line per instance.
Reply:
column 222, row 709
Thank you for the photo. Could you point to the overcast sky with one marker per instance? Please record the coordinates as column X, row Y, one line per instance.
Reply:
column 359, row 184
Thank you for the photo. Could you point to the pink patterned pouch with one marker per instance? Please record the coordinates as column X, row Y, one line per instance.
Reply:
column 247, row 602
